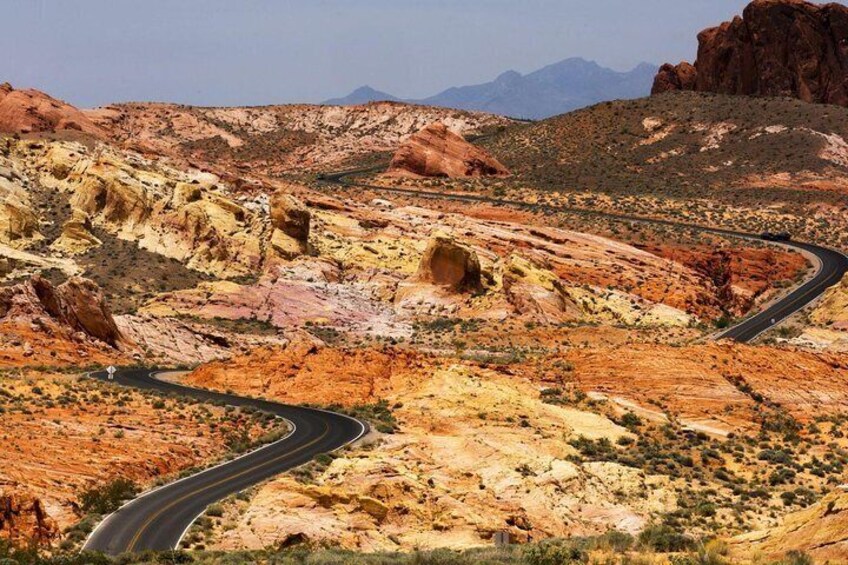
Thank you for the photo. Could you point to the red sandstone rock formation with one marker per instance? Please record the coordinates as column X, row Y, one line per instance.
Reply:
column 32, row 111
column 77, row 304
column 675, row 77
column 435, row 151
column 778, row 48
column 446, row 263
column 23, row 520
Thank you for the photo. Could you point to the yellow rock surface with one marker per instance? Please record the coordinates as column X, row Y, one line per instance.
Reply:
column 833, row 308
column 820, row 531
column 463, row 466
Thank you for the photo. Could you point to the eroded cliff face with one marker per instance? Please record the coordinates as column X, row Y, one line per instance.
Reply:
column 24, row 520
column 777, row 48
column 436, row 151
column 819, row 531
column 76, row 305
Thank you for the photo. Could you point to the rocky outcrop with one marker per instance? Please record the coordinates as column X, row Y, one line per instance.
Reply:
column 777, row 48
column 675, row 77
column 832, row 309
column 77, row 304
column 449, row 264
column 820, row 531
column 436, row 151
column 23, row 520
column 18, row 222
column 290, row 218
column 184, row 215
column 31, row 111
column 274, row 139
column 76, row 234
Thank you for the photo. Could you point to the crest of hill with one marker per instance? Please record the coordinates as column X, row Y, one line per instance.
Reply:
column 678, row 143
column 275, row 139
column 32, row 111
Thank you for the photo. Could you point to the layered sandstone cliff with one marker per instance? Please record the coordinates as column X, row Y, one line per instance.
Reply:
column 777, row 48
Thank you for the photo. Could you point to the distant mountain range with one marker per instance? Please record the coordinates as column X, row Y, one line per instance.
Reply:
column 556, row 89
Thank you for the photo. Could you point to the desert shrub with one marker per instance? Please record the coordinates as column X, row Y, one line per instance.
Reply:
column 107, row 498
column 795, row 557
column 555, row 553
column 665, row 539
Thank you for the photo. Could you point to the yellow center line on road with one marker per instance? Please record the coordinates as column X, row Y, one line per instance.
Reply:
column 150, row 520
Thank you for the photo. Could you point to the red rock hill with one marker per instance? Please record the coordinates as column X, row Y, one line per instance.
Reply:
column 777, row 48
column 32, row 111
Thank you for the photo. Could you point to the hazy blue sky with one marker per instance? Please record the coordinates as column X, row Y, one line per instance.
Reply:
column 220, row 52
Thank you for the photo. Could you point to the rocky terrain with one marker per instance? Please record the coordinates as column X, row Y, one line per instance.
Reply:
column 63, row 435
column 777, row 48
column 275, row 139
column 818, row 531
column 546, row 374
column 680, row 143
column 436, row 151
column 476, row 448
column 31, row 111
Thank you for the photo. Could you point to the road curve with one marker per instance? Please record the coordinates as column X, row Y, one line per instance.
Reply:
column 832, row 264
column 159, row 518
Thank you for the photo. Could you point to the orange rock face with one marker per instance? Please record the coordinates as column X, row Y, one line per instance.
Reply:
column 32, row 111
column 64, row 434
column 24, row 519
column 778, row 48
column 447, row 263
column 436, row 151
column 76, row 305
column 712, row 387
column 306, row 372
column 675, row 77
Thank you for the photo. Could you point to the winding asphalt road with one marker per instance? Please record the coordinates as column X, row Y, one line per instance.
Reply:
column 832, row 264
column 159, row 518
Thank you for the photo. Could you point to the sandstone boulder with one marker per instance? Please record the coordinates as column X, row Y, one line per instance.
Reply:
column 76, row 234
column 77, row 304
column 449, row 264
column 104, row 192
column 18, row 221
column 291, row 220
column 436, row 151
column 777, row 48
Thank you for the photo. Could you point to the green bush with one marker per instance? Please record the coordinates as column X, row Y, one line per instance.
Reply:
column 107, row 498
column 665, row 539
column 555, row 553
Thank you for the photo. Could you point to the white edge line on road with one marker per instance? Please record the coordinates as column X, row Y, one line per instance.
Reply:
column 361, row 433
column 293, row 429
column 155, row 489
column 811, row 302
